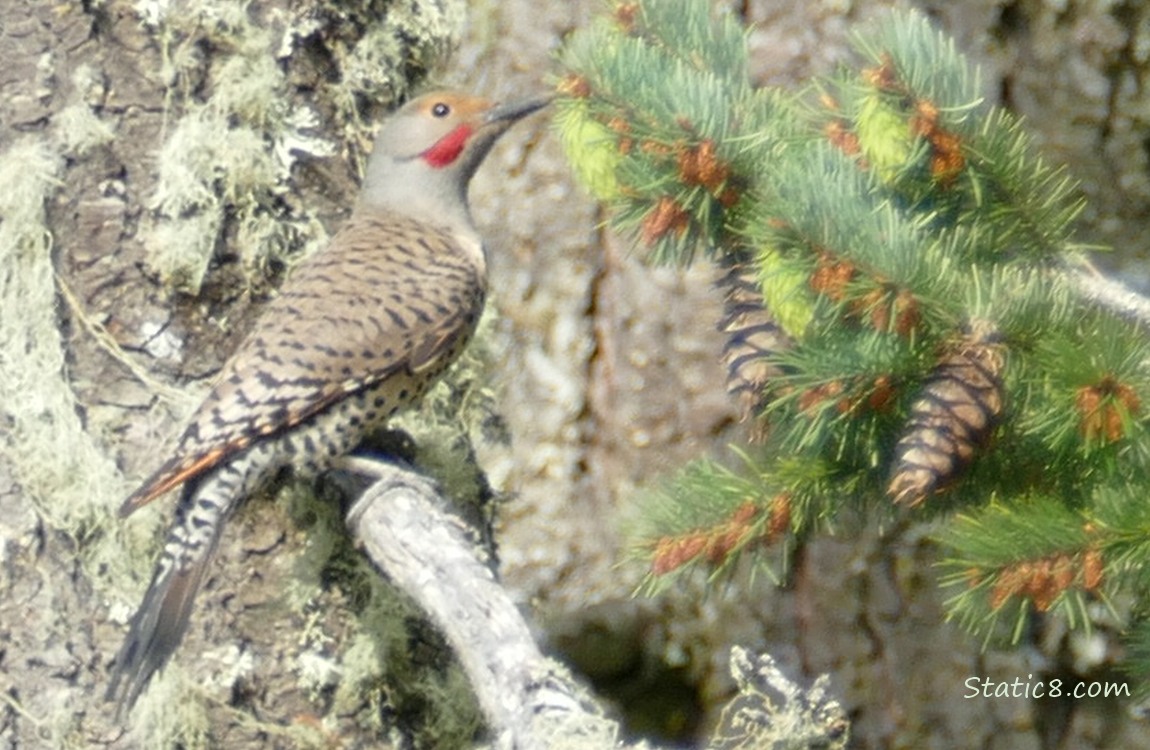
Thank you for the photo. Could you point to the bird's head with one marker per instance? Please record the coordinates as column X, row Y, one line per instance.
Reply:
column 435, row 142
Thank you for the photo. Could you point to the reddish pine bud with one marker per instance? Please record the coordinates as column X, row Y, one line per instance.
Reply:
column 1092, row 570
column 779, row 519
column 1103, row 407
column 574, row 86
column 700, row 166
column 667, row 216
column 831, row 276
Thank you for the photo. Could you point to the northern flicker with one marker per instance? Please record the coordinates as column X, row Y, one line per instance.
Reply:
column 360, row 330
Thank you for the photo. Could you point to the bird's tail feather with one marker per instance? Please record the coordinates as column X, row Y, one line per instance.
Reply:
column 159, row 624
column 155, row 632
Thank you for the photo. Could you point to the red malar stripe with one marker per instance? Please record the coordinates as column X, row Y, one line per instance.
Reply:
column 448, row 148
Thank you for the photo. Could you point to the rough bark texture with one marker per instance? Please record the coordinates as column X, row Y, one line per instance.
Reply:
column 609, row 374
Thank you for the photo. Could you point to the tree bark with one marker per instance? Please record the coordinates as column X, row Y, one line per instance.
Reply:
column 607, row 384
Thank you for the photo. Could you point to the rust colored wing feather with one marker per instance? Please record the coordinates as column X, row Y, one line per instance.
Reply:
column 169, row 476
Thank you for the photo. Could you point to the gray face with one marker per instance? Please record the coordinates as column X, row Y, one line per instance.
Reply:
column 427, row 152
column 429, row 120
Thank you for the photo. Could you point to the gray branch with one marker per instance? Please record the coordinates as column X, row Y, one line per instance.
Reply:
column 403, row 524
column 529, row 701
column 1107, row 291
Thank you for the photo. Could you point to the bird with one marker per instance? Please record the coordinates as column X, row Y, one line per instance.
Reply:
column 358, row 331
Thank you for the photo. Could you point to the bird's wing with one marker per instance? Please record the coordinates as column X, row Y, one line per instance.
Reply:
column 386, row 294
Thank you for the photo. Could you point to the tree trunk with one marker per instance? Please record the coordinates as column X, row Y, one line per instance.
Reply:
column 161, row 171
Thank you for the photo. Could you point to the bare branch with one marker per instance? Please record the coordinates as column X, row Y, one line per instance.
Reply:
column 1107, row 291
column 529, row 701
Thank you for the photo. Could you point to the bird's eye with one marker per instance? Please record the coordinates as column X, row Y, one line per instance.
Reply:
column 441, row 110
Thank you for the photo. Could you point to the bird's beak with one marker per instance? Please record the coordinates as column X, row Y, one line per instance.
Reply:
column 513, row 111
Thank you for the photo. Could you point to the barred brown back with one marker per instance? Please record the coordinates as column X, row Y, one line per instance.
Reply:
column 751, row 335
column 952, row 418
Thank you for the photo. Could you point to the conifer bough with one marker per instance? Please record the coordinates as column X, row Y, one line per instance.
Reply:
column 896, row 320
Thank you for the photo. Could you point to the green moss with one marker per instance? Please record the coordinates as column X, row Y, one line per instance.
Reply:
column 396, row 49
column 171, row 713
column 58, row 465
column 77, row 127
column 393, row 658
column 414, row 675
column 217, row 162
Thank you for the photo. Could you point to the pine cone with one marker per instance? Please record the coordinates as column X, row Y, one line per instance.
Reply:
column 959, row 407
column 751, row 335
